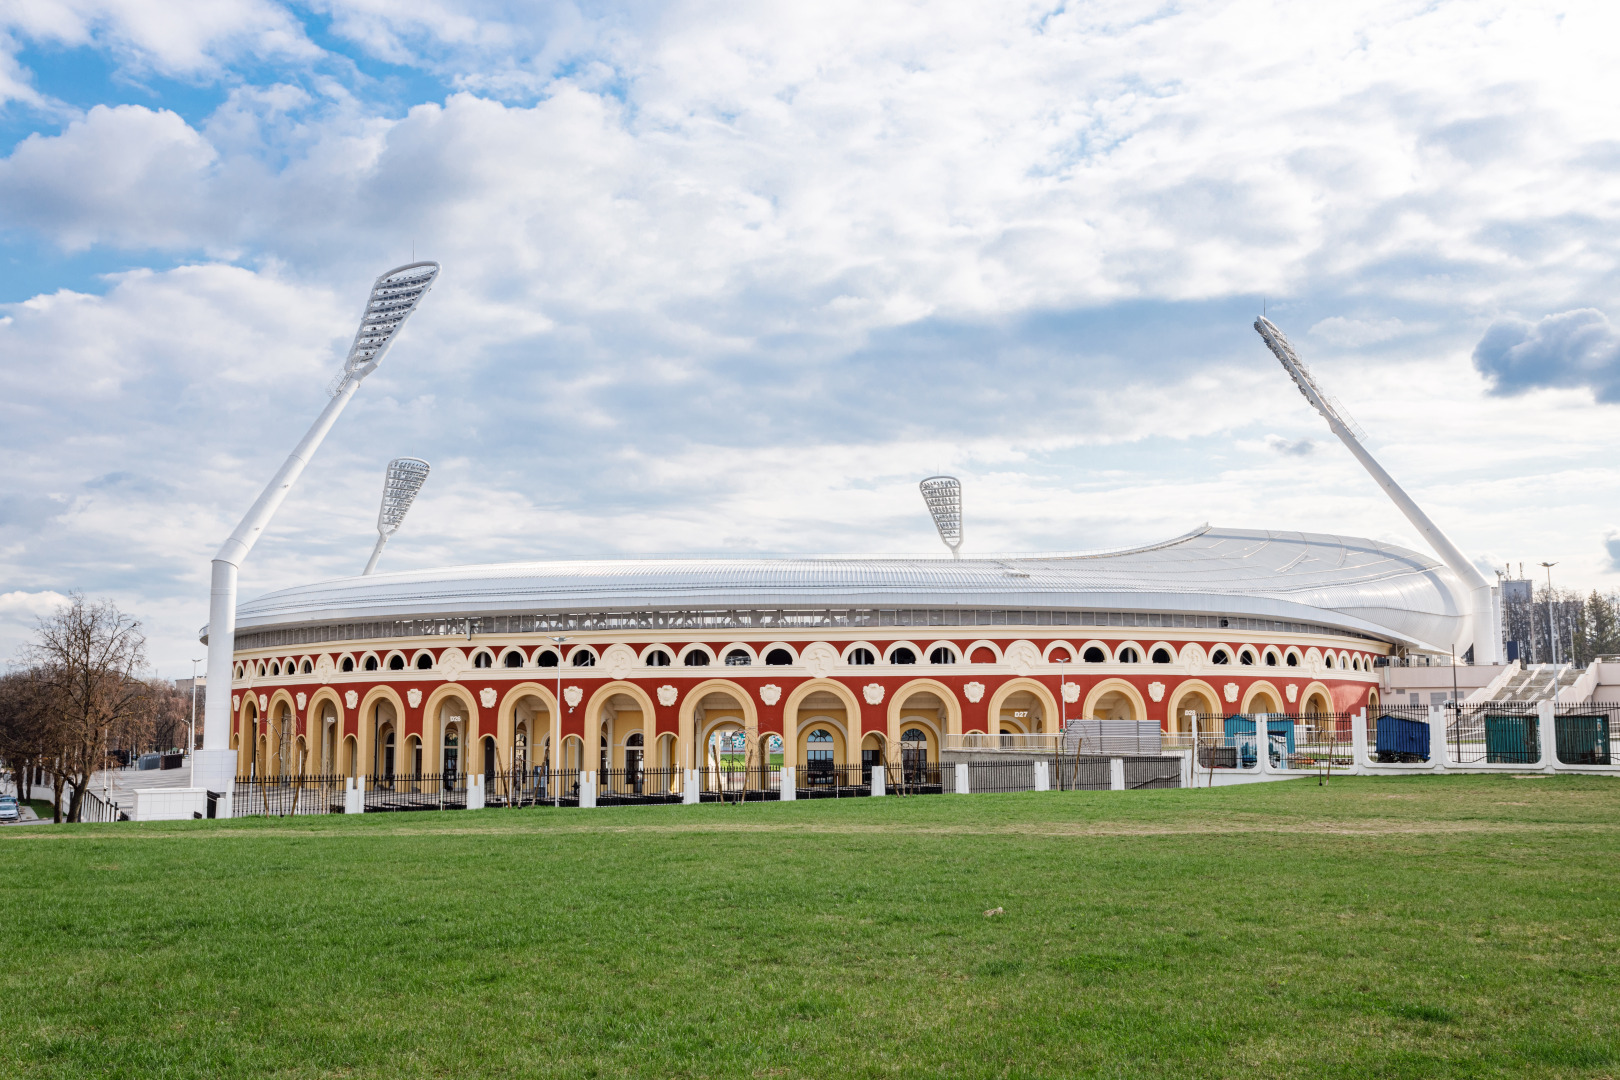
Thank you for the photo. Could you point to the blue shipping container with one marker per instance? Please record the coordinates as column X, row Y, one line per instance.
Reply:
column 1240, row 733
column 1402, row 740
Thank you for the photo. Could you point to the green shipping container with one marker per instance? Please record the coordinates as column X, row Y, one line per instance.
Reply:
column 1511, row 740
column 1583, row 740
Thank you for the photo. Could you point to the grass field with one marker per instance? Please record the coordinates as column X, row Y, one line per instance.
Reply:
column 1433, row 927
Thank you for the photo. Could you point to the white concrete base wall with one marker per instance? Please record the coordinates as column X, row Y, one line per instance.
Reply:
column 689, row 790
column 1116, row 774
column 1043, row 776
column 961, row 779
column 880, row 777
column 587, row 790
column 475, row 792
column 170, row 804
column 790, row 783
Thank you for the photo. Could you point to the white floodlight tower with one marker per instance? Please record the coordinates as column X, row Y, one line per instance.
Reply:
column 405, row 478
column 1484, row 619
column 943, row 494
column 394, row 296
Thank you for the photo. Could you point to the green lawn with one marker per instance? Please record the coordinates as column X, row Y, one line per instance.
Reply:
column 1424, row 927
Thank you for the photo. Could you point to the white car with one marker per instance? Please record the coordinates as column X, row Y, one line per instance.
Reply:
column 8, row 808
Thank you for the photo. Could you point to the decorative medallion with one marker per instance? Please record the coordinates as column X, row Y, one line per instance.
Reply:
column 451, row 662
column 414, row 696
column 770, row 693
column 486, row 697
column 819, row 657
column 1292, row 691
column 351, row 699
column 873, row 693
column 264, row 702
column 974, row 692
column 1156, row 691
column 236, row 701
column 1231, row 689
column 1022, row 656
column 618, row 660
column 1071, row 692
column 324, row 668
column 573, row 695
column 667, row 695
column 301, row 700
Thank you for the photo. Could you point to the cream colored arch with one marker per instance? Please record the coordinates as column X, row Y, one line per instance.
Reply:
column 1186, row 688
column 897, row 699
column 273, row 732
column 506, row 723
column 433, row 736
column 247, row 731
column 368, row 731
column 1109, row 686
column 316, row 729
column 685, row 745
column 1258, row 687
column 599, row 699
column 1315, row 687
column 792, row 728
column 1049, row 704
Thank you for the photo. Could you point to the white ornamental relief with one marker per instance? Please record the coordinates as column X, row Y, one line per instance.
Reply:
column 819, row 657
column 451, row 661
column 324, row 668
column 974, row 692
column 1071, row 692
column 618, row 660
column 1292, row 692
column 667, row 695
column 1231, row 690
column 264, row 702
column 873, row 693
column 770, row 693
column 236, row 701
column 573, row 695
column 301, row 700
column 1156, row 691
column 414, row 696
column 351, row 699
column 1022, row 656
column 486, row 697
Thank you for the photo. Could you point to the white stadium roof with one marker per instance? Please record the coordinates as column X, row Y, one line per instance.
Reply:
column 1326, row 582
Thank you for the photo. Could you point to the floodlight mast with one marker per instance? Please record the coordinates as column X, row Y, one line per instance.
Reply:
column 404, row 480
column 943, row 495
column 1483, row 612
column 394, row 296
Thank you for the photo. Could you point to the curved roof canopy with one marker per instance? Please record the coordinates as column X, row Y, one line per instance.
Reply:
column 1340, row 582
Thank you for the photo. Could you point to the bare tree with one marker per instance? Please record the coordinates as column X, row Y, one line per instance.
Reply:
column 167, row 716
column 26, row 737
column 89, row 656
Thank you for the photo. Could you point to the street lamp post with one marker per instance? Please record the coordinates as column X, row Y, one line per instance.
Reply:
column 394, row 296
column 1552, row 628
column 191, row 740
column 556, row 788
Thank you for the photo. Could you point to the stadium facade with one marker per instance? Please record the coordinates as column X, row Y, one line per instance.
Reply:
column 643, row 663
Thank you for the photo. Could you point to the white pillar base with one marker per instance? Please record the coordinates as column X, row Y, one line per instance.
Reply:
column 475, row 792
column 790, row 783
column 1043, row 776
column 587, row 791
column 214, row 770
column 1116, row 774
column 880, row 777
column 961, row 778
column 354, row 795
column 689, row 790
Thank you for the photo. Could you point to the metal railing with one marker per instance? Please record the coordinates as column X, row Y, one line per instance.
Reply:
column 416, row 791
column 915, row 778
column 637, row 787
column 93, row 807
column 817, row 780
column 1587, row 734
column 537, row 786
column 1493, row 733
column 284, row 796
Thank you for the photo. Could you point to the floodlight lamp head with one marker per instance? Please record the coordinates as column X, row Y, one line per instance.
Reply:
column 1323, row 402
column 405, row 478
column 943, row 496
column 394, row 295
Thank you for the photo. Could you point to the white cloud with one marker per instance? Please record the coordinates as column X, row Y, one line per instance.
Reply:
column 175, row 37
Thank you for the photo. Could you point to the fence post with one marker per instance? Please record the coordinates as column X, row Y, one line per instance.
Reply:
column 222, row 805
column 880, row 775
column 1358, row 743
column 1189, row 759
column 690, row 795
column 1043, row 777
column 1547, row 733
column 1116, row 774
column 587, row 790
column 961, row 778
column 790, row 784
column 475, row 791
column 1437, row 739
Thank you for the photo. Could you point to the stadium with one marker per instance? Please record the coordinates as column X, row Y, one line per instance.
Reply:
column 815, row 664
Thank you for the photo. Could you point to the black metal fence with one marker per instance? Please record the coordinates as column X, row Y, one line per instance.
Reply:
column 1587, row 734
column 637, row 787
column 538, row 786
column 284, row 796
column 1147, row 771
column 416, row 791
column 823, row 780
column 1494, row 732
column 917, row 777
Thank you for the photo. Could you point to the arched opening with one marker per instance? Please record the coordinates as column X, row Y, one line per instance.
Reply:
column 1316, row 705
column 1328, row 661
column 513, row 658
column 902, row 655
column 1293, row 659
column 696, row 658
column 424, row 662
column 1020, row 715
column 350, row 754
column 329, row 737
column 308, row 668
column 1246, row 658
column 1220, row 656
column 1129, row 655
column 739, row 658
column 778, row 658
column 388, row 752
column 396, row 663
column 1271, row 658
column 582, row 658
column 1114, row 705
column 348, row 663
column 1093, row 655
column 914, row 756
column 452, row 753
column 861, row 657
column 819, row 771
column 1195, row 710
column 1264, row 703
column 658, row 658
column 942, row 655
column 371, row 663
column 725, row 748
column 489, row 755
column 1162, row 656
column 546, row 659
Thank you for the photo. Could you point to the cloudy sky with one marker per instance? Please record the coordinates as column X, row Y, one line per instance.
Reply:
column 733, row 278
